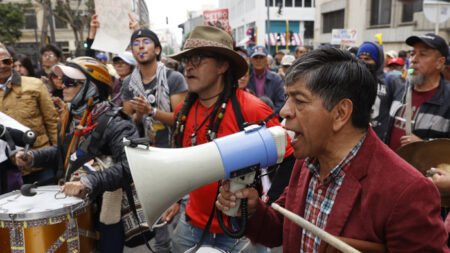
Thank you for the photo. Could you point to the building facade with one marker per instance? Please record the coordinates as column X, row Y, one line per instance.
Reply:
column 272, row 23
column 395, row 20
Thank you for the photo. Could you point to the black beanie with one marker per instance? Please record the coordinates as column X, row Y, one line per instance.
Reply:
column 145, row 32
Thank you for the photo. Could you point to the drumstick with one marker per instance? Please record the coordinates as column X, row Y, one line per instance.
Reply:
column 329, row 238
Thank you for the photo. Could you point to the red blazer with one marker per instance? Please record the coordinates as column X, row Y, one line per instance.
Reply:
column 382, row 199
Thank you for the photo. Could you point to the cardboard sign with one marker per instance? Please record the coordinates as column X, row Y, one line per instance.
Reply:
column 114, row 33
column 218, row 18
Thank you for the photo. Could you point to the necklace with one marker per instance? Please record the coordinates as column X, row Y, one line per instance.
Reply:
column 194, row 134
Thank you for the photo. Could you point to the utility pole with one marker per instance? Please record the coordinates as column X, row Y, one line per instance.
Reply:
column 268, row 26
column 51, row 23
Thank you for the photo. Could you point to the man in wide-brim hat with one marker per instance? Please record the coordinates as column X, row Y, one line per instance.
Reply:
column 212, row 69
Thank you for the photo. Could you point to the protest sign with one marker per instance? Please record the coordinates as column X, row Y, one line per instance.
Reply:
column 217, row 18
column 114, row 33
column 343, row 36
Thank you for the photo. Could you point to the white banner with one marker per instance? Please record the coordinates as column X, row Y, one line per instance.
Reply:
column 114, row 33
column 7, row 121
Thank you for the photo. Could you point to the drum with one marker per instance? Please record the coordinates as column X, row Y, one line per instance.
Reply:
column 46, row 222
column 424, row 155
column 207, row 249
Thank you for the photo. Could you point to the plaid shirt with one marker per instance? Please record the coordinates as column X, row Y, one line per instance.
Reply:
column 321, row 196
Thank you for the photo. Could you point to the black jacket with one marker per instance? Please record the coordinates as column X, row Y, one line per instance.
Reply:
column 110, row 143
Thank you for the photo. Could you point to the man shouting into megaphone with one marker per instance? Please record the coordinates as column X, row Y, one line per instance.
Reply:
column 345, row 181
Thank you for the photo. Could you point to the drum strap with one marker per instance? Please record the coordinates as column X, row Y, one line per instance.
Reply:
column 240, row 118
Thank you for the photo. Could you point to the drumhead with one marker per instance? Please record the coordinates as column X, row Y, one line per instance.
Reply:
column 209, row 249
column 42, row 205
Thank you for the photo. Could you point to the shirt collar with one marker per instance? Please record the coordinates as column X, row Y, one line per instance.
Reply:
column 312, row 163
column 3, row 85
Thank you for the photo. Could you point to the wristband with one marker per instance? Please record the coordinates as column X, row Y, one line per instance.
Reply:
column 153, row 112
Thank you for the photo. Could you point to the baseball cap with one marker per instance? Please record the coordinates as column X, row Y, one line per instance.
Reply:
column 432, row 40
column 126, row 57
column 70, row 72
column 396, row 60
column 287, row 60
column 101, row 56
column 258, row 50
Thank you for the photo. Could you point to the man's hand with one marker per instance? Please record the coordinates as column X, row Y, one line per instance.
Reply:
column 139, row 105
column 407, row 139
column 441, row 178
column 170, row 213
column 20, row 161
column 75, row 188
column 133, row 24
column 44, row 79
column 60, row 105
column 226, row 199
column 94, row 26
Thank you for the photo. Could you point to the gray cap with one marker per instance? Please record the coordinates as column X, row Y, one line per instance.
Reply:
column 127, row 57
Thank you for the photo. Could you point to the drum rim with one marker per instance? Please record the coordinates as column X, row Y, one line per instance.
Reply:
column 44, row 214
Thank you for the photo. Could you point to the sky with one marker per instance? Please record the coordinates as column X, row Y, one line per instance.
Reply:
column 176, row 11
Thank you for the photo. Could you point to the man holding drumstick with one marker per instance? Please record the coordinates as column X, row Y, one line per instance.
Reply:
column 345, row 181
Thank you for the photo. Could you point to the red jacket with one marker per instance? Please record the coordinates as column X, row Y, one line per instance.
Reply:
column 383, row 199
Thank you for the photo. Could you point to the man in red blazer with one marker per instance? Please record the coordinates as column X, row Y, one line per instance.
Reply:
column 345, row 180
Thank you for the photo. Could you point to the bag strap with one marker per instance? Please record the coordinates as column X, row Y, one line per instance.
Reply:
column 237, row 111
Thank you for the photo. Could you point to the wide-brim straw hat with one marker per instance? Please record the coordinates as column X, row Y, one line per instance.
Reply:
column 212, row 39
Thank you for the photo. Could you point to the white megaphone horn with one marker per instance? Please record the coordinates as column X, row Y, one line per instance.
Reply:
column 162, row 176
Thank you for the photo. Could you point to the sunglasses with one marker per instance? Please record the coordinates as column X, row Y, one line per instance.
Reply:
column 195, row 59
column 69, row 82
column 7, row 61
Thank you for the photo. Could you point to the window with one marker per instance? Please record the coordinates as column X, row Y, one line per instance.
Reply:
column 30, row 19
column 309, row 30
column 278, row 3
column 59, row 23
column 298, row 3
column 409, row 9
column 288, row 3
column 333, row 20
column 308, row 3
column 380, row 12
column 270, row 2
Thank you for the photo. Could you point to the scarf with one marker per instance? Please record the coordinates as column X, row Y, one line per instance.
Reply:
column 162, row 98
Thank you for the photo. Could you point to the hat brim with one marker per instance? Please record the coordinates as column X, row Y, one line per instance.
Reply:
column 70, row 72
column 239, row 65
column 412, row 40
column 258, row 53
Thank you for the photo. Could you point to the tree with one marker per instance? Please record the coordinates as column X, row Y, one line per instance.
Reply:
column 11, row 21
column 167, row 50
column 77, row 13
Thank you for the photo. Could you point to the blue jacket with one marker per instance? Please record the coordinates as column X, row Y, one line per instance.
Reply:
column 273, row 89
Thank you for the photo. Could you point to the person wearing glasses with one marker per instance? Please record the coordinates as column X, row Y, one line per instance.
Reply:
column 50, row 55
column 210, row 111
column 28, row 101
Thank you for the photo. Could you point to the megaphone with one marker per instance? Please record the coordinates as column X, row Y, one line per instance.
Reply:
column 162, row 176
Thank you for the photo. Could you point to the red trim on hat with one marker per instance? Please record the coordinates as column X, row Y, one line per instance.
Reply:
column 195, row 43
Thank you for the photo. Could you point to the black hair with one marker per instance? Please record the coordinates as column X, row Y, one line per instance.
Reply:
column 50, row 47
column 26, row 62
column 217, row 113
column 333, row 75
column 402, row 54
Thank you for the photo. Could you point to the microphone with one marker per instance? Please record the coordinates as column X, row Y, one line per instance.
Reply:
column 28, row 138
column 16, row 135
column 28, row 190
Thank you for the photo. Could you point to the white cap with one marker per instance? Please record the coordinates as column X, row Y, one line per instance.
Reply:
column 70, row 72
column 287, row 60
column 127, row 57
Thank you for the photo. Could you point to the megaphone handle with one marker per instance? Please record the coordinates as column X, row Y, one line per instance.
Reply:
column 236, row 184
column 25, row 152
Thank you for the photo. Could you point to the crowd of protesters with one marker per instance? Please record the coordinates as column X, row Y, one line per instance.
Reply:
column 349, row 111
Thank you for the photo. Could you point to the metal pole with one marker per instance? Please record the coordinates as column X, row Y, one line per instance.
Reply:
column 438, row 18
column 52, row 27
column 268, row 26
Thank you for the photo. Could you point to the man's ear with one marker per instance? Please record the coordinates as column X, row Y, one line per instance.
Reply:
column 342, row 114
column 223, row 67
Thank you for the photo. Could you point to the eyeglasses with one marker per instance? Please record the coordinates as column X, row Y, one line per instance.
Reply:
column 7, row 61
column 138, row 43
column 48, row 55
column 195, row 59
column 69, row 82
